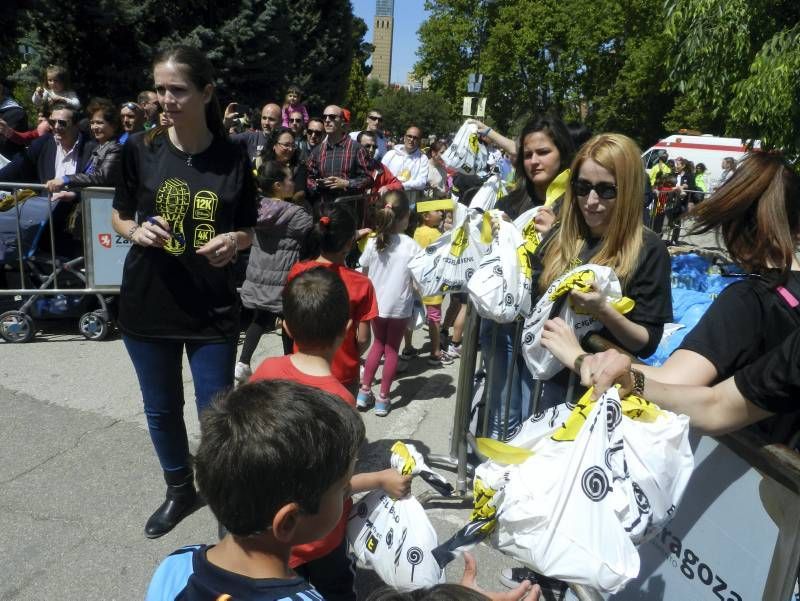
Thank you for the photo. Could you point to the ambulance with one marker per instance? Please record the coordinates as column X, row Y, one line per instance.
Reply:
column 698, row 148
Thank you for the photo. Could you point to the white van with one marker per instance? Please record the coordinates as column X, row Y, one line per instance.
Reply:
column 706, row 149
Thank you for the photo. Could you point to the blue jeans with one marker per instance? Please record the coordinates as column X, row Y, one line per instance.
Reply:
column 497, row 360
column 158, row 366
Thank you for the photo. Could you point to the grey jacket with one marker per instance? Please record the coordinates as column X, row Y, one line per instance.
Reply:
column 279, row 235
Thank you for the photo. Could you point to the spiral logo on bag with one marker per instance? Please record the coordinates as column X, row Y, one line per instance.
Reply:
column 498, row 270
column 642, row 502
column 528, row 338
column 389, row 538
column 613, row 414
column 595, row 484
column 469, row 273
column 362, row 510
column 430, row 250
column 509, row 299
column 414, row 556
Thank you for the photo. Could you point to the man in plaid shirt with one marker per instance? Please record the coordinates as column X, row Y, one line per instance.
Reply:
column 338, row 166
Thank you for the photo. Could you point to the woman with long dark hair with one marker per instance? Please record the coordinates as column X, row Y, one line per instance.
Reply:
column 186, row 203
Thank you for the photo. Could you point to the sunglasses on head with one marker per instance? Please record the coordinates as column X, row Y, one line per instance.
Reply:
column 132, row 106
column 604, row 190
column 59, row 122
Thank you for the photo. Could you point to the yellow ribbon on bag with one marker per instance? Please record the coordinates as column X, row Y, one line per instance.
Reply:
column 634, row 407
column 582, row 282
column 557, row 188
column 409, row 463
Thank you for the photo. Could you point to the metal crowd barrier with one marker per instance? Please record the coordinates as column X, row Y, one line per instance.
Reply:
column 741, row 507
column 42, row 273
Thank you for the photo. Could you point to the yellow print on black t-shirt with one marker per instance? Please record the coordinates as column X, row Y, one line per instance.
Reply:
column 172, row 203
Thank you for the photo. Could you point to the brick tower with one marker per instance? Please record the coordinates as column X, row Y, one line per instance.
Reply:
column 382, row 40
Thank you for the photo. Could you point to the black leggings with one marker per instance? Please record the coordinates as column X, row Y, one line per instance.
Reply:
column 263, row 321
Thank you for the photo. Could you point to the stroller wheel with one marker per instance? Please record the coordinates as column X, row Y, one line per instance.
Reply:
column 94, row 326
column 16, row 326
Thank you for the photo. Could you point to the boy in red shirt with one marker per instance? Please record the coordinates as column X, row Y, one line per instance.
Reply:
column 316, row 316
column 332, row 239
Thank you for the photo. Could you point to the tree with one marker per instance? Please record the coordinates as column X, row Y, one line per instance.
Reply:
column 743, row 73
column 257, row 46
column 356, row 99
column 598, row 62
column 427, row 110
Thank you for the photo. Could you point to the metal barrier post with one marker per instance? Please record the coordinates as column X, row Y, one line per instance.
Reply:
column 464, row 393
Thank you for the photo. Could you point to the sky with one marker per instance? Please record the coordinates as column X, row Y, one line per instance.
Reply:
column 408, row 15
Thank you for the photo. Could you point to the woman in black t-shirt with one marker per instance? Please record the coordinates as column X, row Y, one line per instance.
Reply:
column 186, row 204
column 601, row 223
column 757, row 214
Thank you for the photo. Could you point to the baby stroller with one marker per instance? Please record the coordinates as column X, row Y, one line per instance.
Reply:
column 36, row 281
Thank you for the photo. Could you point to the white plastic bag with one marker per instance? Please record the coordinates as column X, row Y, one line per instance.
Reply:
column 609, row 478
column 395, row 537
column 466, row 154
column 501, row 287
column 527, row 227
column 541, row 362
column 447, row 264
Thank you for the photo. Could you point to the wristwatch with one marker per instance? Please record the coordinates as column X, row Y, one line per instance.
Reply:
column 638, row 382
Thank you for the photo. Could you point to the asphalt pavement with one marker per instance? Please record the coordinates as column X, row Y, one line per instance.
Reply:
column 79, row 476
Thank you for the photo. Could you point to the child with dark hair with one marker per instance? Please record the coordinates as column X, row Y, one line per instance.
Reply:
column 331, row 240
column 292, row 104
column 279, row 236
column 269, row 487
column 316, row 315
column 385, row 261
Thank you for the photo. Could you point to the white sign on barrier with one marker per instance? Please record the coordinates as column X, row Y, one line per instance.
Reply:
column 735, row 537
column 106, row 249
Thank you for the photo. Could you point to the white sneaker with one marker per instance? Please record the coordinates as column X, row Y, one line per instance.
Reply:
column 242, row 372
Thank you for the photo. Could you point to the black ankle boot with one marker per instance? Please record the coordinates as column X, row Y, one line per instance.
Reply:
column 181, row 500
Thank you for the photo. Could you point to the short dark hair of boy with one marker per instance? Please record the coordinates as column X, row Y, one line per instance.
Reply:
column 316, row 307
column 270, row 443
column 440, row 592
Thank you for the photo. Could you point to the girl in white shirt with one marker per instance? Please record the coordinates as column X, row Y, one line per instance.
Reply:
column 385, row 260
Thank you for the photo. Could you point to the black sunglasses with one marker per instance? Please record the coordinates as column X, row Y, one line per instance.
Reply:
column 295, row 120
column 61, row 122
column 374, row 118
column 315, row 132
column 604, row 190
column 330, row 116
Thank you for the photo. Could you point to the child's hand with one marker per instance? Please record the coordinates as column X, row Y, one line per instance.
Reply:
column 396, row 485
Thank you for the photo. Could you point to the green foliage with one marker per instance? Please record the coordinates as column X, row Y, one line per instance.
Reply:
column 356, row 99
column 257, row 46
column 587, row 61
column 738, row 60
column 427, row 110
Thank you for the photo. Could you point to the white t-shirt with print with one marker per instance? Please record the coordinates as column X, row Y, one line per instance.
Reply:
column 389, row 273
